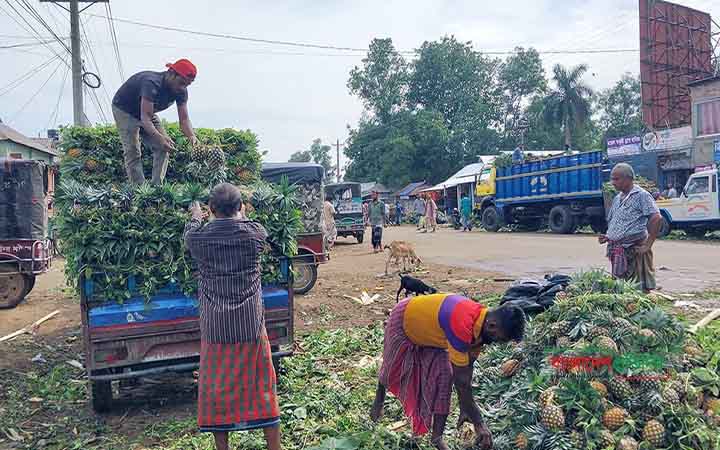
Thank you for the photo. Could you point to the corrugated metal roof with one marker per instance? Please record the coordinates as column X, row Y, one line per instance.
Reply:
column 407, row 190
column 9, row 134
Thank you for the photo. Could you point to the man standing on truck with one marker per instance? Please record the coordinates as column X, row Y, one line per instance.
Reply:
column 377, row 217
column 135, row 107
column 329, row 228
column 633, row 225
column 237, row 389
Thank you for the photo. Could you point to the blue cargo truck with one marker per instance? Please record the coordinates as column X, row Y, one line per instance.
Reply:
column 564, row 192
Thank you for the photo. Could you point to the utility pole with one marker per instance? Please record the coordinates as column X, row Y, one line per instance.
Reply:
column 79, row 118
column 338, row 161
column 78, row 112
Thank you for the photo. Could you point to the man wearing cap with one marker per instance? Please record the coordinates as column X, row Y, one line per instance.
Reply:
column 135, row 107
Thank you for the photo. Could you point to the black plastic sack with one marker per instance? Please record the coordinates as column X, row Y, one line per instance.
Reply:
column 23, row 207
column 534, row 296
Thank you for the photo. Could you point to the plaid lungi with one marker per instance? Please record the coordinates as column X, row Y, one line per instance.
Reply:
column 420, row 377
column 237, row 386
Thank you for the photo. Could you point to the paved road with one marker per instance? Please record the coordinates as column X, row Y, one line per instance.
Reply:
column 683, row 266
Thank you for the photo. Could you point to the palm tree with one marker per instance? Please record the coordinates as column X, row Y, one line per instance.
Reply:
column 568, row 105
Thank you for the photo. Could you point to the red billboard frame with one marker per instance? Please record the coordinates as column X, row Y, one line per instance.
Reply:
column 675, row 49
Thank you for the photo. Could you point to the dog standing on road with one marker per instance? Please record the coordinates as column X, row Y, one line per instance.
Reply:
column 401, row 250
column 414, row 286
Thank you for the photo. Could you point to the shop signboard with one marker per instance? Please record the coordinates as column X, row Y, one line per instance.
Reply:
column 667, row 140
column 717, row 151
column 624, row 146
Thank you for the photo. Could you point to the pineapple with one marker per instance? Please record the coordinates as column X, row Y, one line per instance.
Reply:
column 620, row 388
column 521, row 442
column 614, row 418
column 693, row 350
column 621, row 323
column 547, row 397
column 552, row 417
column 563, row 342
column 607, row 343
column 627, row 443
column 712, row 404
column 631, row 307
column 647, row 334
column 562, row 328
column 596, row 332
column 649, row 382
column 577, row 439
column 467, row 435
column 654, row 433
column 91, row 165
column 199, row 154
column 74, row 152
column 600, row 388
column 509, row 368
column 216, row 157
column 560, row 296
column 671, row 396
column 606, row 439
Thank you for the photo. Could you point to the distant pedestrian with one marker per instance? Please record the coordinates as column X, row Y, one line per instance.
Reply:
column 633, row 225
column 430, row 214
column 517, row 156
column 237, row 388
column 419, row 211
column 466, row 212
column 365, row 213
column 398, row 213
column 378, row 219
column 329, row 228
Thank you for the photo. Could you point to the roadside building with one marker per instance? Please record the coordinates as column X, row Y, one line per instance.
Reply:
column 705, row 98
column 14, row 144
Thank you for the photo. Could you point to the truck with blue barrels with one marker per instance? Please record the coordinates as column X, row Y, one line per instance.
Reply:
column 563, row 192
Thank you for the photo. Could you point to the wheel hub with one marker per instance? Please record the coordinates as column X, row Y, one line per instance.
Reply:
column 302, row 275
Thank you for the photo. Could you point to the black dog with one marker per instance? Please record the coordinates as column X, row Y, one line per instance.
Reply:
column 413, row 285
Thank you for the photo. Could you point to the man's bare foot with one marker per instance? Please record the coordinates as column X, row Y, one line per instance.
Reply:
column 440, row 444
column 376, row 412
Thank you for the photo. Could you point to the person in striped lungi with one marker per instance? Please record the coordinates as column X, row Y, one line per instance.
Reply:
column 431, row 343
column 237, row 389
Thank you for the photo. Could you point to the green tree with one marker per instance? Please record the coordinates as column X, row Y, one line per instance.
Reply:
column 301, row 156
column 413, row 146
column 453, row 79
column 318, row 153
column 620, row 108
column 568, row 105
column 381, row 82
column 521, row 77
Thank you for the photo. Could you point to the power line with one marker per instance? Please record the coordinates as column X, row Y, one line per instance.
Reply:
column 36, row 92
column 36, row 15
column 334, row 47
column 56, row 111
column 31, row 29
column 113, row 33
column 88, row 47
column 27, row 44
column 26, row 76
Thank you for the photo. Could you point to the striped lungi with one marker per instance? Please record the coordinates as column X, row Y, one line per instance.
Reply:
column 420, row 377
column 237, row 386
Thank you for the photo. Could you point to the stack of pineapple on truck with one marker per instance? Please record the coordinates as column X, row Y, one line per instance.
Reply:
column 126, row 256
column 565, row 192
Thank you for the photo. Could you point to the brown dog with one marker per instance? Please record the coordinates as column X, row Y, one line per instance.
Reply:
column 401, row 250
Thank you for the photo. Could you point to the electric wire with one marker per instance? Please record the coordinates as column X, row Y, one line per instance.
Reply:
column 59, row 64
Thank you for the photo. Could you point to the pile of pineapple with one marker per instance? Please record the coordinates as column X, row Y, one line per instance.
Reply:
column 661, row 392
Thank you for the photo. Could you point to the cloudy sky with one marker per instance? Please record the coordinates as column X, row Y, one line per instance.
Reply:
column 290, row 95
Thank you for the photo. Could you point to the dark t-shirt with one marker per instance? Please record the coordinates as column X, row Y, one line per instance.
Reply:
column 149, row 85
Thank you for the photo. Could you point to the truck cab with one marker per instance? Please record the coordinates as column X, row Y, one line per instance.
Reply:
column 697, row 210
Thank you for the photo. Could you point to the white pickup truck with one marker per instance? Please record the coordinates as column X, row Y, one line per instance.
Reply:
column 697, row 210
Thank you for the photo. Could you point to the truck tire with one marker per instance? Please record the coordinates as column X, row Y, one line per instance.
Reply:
column 13, row 288
column 305, row 276
column 360, row 237
column 101, row 395
column 561, row 220
column 665, row 228
column 29, row 284
column 491, row 219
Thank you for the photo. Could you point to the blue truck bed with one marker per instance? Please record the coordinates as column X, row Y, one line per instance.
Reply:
column 567, row 176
